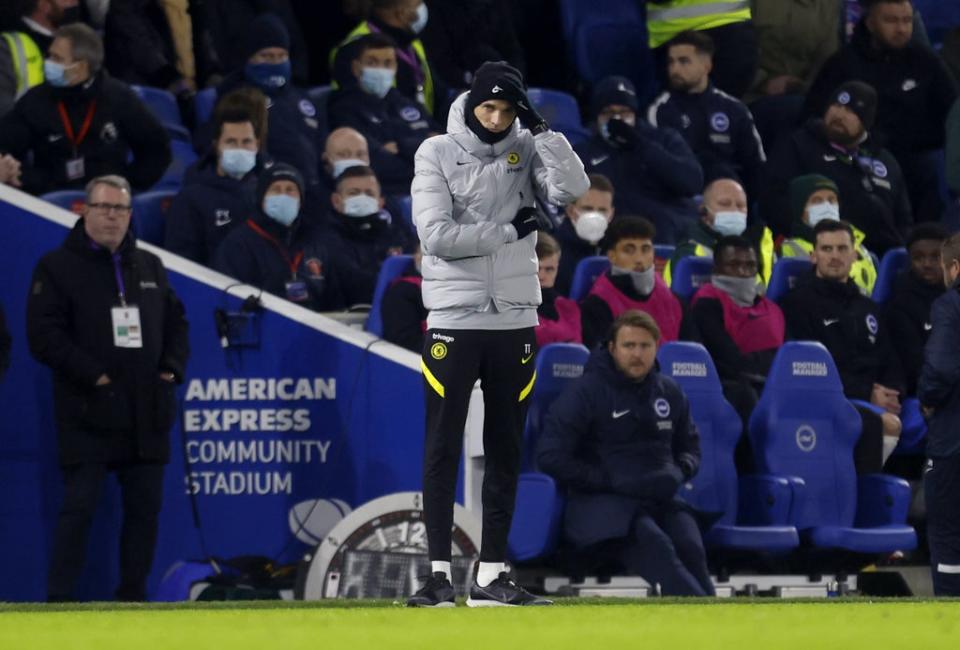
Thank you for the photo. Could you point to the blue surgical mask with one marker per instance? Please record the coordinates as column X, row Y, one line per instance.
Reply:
column 237, row 162
column 360, row 205
column 730, row 222
column 281, row 208
column 421, row 20
column 55, row 73
column 268, row 76
column 377, row 81
column 340, row 166
column 822, row 211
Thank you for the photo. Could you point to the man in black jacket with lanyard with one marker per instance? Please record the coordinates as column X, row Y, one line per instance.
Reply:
column 103, row 317
column 80, row 124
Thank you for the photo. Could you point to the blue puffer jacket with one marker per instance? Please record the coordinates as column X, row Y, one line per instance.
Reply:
column 939, row 384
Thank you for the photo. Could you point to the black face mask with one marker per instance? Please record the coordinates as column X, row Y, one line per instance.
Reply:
column 486, row 135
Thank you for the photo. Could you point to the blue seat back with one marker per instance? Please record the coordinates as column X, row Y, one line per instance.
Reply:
column 406, row 210
column 689, row 274
column 71, row 200
column 162, row 104
column 558, row 108
column 614, row 48
column 804, row 426
column 664, row 251
column 587, row 271
column 391, row 269
column 784, row 276
column 183, row 157
column 714, row 488
column 577, row 13
column 939, row 17
column 558, row 366
column 203, row 104
column 149, row 215
column 894, row 261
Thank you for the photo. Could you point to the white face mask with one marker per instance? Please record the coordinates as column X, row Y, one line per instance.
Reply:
column 591, row 226
column 730, row 222
column 822, row 211
column 342, row 165
column 360, row 205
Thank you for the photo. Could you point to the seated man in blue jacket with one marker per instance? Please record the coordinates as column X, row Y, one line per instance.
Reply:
column 621, row 442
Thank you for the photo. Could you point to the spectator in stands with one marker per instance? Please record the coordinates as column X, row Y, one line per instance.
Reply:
column 276, row 251
column 741, row 328
column 294, row 132
column 654, row 170
column 344, row 148
column 631, row 283
column 584, row 224
column 729, row 25
column 723, row 212
column 839, row 147
column 814, row 198
column 161, row 44
column 10, row 170
column 365, row 233
column 81, row 124
column 220, row 192
column 559, row 317
column 937, row 390
column 718, row 127
column 113, row 381
column 460, row 36
column 826, row 306
column 404, row 316
column 915, row 93
column 393, row 125
column 621, row 473
column 908, row 310
column 403, row 21
column 22, row 48
column 4, row 344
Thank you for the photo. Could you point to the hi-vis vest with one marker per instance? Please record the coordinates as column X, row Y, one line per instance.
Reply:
column 27, row 61
column 863, row 272
column 664, row 21
column 425, row 92
column 768, row 258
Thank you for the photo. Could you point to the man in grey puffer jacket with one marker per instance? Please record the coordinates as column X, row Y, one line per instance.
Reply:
column 474, row 206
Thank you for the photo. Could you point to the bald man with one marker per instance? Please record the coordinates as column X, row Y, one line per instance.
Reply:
column 346, row 147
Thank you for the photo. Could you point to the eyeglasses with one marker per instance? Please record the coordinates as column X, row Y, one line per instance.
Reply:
column 107, row 208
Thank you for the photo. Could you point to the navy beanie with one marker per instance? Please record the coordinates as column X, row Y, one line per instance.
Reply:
column 278, row 172
column 266, row 30
column 613, row 90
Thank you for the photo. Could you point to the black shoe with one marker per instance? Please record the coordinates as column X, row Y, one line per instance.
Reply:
column 435, row 592
column 503, row 592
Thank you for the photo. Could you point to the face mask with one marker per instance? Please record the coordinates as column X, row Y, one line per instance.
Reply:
column 730, row 223
column 591, row 226
column 237, row 162
column 268, row 76
column 822, row 211
column 281, row 208
column 743, row 291
column 421, row 20
column 605, row 127
column 340, row 166
column 55, row 73
column 377, row 81
column 360, row 205
column 643, row 281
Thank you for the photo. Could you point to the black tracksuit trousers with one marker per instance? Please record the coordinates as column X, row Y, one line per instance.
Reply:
column 453, row 360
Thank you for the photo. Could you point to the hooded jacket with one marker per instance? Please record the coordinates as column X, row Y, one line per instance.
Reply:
column 939, row 384
column 476, row 274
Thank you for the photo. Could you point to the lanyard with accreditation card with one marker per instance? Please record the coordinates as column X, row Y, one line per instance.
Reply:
column 76, row 169
column 125, row 319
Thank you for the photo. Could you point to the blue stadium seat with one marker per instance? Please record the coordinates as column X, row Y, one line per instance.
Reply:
column 894, row 261
column 558, row 108
column 763, row 523
column 939, row 17
column 183, row 157
column 71, row 200
column 804, row 426
column 535, row 531
column 393, row 267
column 664, row 251
column 576, row 13
column 162, row 104
column 149, row 210
column 406, row 210
column 689, row 274
column 587, row 271
column 203, row 104
column 784, row 276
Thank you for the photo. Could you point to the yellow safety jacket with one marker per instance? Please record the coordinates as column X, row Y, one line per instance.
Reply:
column 27, row 60
column 666, row 20
column 768, row 257
column 863, row 272
column 425, row 92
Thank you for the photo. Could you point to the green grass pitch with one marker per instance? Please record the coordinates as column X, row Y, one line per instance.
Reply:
column 576, row 624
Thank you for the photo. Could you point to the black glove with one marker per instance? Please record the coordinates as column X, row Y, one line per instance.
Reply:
column 622, row 135
column 688, row 466
column 525, row 222
column 529, row 117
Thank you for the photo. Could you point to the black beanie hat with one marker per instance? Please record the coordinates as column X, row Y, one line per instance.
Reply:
column 860, row 98
column 802, row 187
column 495, row 80
column 278, row 172
column 613, row 90
column 266, row 30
